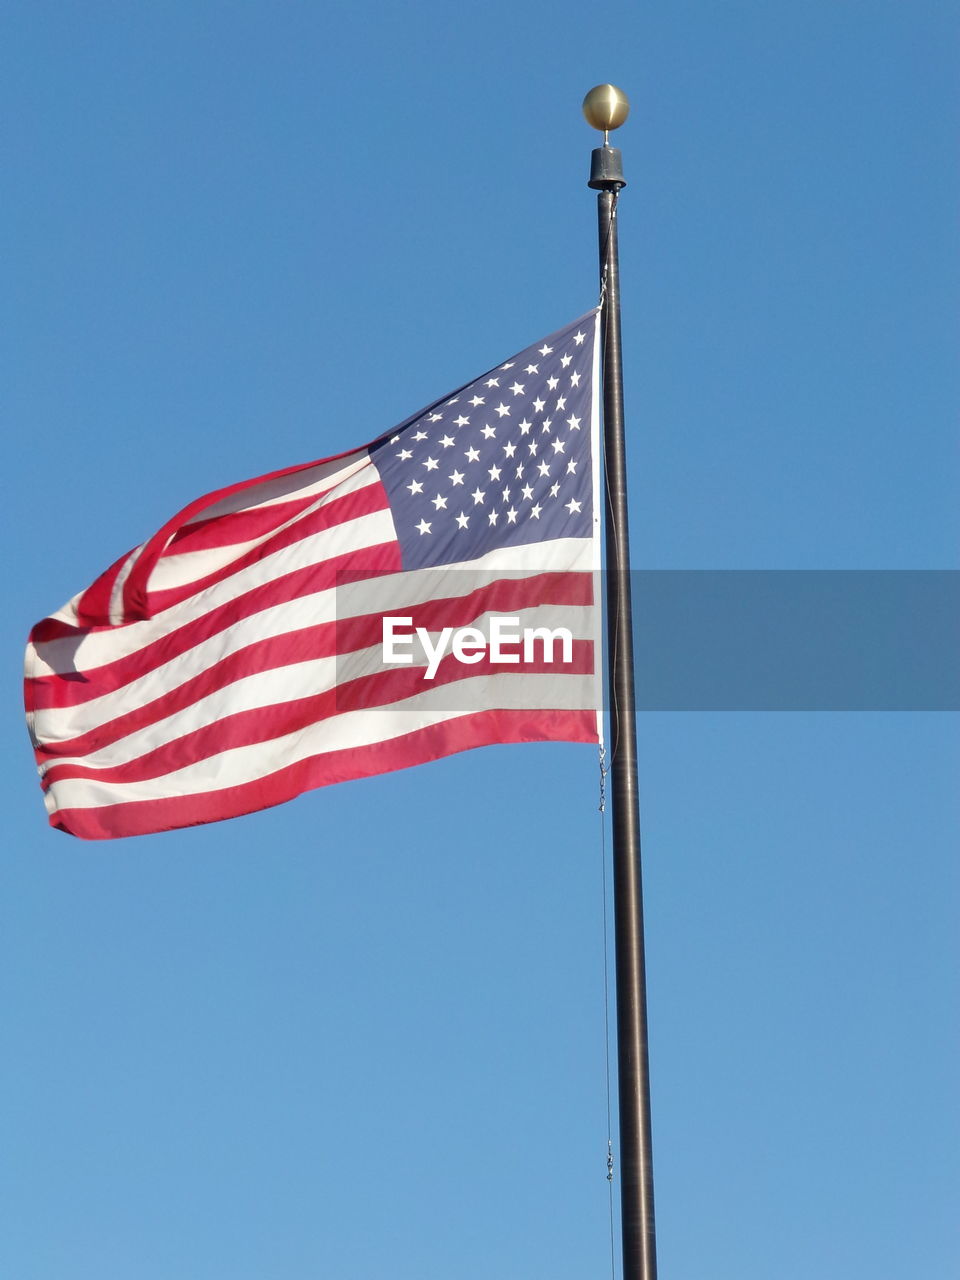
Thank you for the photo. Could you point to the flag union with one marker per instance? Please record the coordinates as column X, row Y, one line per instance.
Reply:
column 506, row 461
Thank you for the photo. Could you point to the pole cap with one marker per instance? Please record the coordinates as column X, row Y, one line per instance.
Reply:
column 606, row 107
column 606, row 169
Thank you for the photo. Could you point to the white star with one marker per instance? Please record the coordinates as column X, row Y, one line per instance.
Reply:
column 415, row 486
column 462, row 521
column 573, row 422
column 517, row 389
column 552, row 383
column 424, row 527
column 574, row 379
column 508, row 365
column 525, row 427
column 511, row 516
column 561, row 402
column 477, row 400
column 558, row 446
column 547, row 424
column 431, row 463
column 503, row 410
column 565, row 360
column 535, row 511
column 578, row 339
column 471, row 454
column 572, row 467
column 494, row 472
column 532, row 368
column 532, row 446
column 477, row 496
column 572, row 506
column 394, row 439
column 506, row 494
column 554, row 489
column 447, row 442
column 493, row 382
column 404, row 454
column 421, row 435
column 489, row 432
column 544, row 468
column 456, row 477
column 509, row 450
column 545, row 350
column 520, row 471
column 539, row 405
column 461, row 421
column 435, row 417
column 527, row 492
column 440, row 502
column 492, row 517
column 455, row 400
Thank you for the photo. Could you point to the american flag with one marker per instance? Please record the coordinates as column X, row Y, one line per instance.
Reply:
column 236, row 658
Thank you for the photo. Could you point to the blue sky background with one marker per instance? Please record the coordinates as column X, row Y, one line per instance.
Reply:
column 361, row 1035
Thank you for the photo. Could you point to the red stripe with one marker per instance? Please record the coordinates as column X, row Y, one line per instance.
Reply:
column 94, row 604
column 93, row 607
column 238, row 526
column 135, row 592
column 337, row 511
column 483, row 728
column 325, row 640
column 264, row 655
column 505, row 596
column 70, row 688
column 381, row 688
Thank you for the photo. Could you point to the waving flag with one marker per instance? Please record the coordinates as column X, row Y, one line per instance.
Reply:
column 431, row 592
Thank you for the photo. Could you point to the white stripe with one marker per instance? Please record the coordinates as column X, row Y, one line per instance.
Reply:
column 115, row 606
column 267, row 689
column 179, row 569
column 391, row 594
column 350, row 731
column 68, row 612
column 317, row 479
column 98, row 648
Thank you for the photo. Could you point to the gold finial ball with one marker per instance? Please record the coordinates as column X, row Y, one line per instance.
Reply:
column 606, row 107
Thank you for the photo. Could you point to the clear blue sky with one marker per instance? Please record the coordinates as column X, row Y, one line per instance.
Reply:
column 361, row 1036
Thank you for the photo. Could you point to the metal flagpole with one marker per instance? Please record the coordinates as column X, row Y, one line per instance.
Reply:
column 606, row 108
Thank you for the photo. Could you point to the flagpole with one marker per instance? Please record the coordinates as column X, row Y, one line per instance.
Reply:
column 606, row 108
